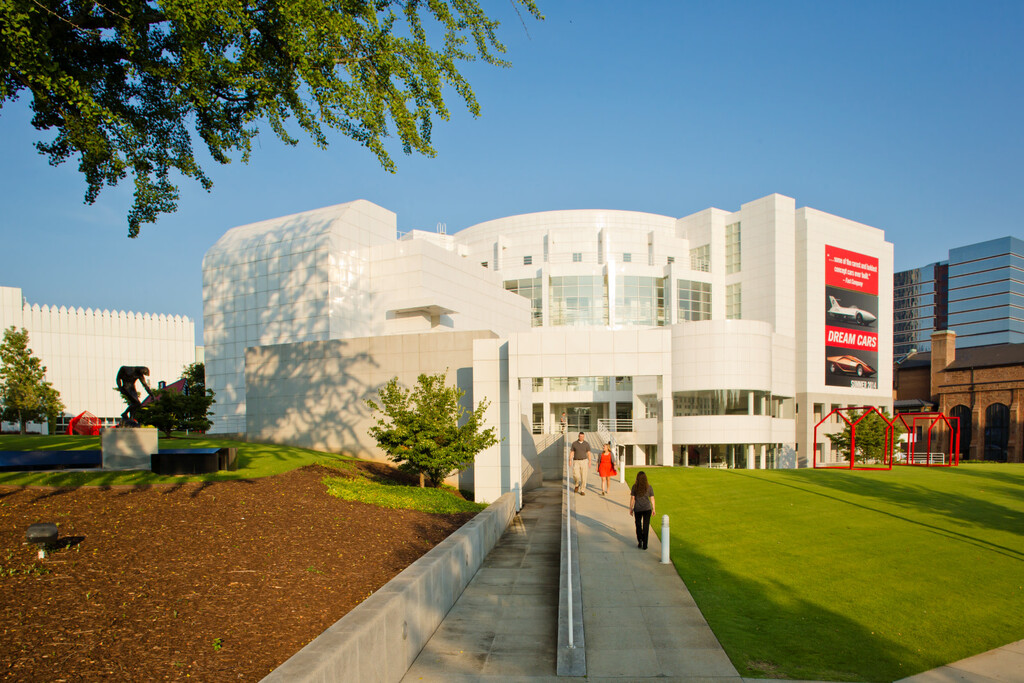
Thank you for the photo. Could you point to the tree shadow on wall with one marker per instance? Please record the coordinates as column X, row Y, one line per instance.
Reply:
column 311, row 394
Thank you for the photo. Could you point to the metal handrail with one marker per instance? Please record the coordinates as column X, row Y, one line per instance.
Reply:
column 615, row 424
column 568, row 538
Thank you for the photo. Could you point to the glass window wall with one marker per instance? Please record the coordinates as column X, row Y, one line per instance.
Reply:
column 734, row 301
column 730, row 402
column 590, row 384
column 733, row 263
column 529, row 287
column 577, row 300
column 700, row 258
column 694, row 300
column 640, row 300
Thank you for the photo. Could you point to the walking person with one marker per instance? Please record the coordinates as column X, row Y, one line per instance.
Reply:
column 606, row 468
column 579, row 454
column 641, row 507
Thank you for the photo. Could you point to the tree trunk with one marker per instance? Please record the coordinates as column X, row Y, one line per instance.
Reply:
column 21, row 424
column 421, row 481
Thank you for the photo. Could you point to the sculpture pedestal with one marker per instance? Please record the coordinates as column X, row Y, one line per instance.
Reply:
column 128, row 448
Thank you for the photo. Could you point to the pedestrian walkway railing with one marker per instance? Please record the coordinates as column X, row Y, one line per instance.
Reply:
column 571, row 647
column 568, row 538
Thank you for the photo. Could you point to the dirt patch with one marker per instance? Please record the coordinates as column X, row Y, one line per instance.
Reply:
column 212, row 581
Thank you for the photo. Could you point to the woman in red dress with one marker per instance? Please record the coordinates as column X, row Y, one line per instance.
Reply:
column 605, row 468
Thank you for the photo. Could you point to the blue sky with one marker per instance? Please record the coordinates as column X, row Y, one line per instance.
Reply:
column 902, row 115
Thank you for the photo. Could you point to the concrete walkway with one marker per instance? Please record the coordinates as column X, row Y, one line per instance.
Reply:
column 1004, row 664
column 639, row 619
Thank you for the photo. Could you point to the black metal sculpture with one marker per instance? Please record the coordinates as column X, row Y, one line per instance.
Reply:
column 127, row 376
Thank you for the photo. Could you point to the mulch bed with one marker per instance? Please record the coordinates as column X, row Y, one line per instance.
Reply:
column 208, row 581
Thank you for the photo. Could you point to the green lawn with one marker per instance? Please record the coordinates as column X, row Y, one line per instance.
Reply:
column 394, row 495
column 841, row 575
column 254, row 460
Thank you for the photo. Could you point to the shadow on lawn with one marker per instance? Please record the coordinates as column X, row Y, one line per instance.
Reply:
column 978, row 512
column 767, row 631
column 992, row 473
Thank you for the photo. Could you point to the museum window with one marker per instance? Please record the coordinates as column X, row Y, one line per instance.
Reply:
column 591, row 383
column 726, row 402
column 650, row 404
column 734, row 301
column 732, row 248
column 483, row 263
column 694, row 300
column 671, row 259
column 640, row 300
column 530, row 288
column 527, row 260
column 578, row 300
column 538, row 384
column 627, row 257
column 577, row 257
column 700, row 258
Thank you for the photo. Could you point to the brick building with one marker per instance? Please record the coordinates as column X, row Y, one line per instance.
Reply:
column 981, row 385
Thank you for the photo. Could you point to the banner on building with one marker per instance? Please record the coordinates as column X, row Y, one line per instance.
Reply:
column 851, row 319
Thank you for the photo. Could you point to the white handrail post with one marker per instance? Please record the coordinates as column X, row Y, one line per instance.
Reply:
column 664, row 540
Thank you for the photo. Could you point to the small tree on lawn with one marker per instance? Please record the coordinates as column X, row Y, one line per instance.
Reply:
column 188, row 411
column 420, row 428
column 871, row 433
column 24, row 395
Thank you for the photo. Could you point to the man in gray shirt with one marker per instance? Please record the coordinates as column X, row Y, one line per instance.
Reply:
column 579, row 457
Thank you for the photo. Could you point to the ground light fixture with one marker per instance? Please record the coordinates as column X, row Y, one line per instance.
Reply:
column 44, row 535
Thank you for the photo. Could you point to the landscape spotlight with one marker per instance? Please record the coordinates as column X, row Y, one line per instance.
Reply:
column 44, row 535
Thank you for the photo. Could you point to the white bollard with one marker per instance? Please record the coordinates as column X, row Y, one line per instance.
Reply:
column 664, row 540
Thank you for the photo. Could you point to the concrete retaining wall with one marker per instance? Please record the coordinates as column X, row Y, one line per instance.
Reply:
column 380, row 639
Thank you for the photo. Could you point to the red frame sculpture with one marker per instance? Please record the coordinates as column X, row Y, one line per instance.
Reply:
column 935, row 418
column 85, row 424
column 889, row 438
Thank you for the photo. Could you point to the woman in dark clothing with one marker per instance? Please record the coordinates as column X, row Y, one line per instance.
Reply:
column 641, row 507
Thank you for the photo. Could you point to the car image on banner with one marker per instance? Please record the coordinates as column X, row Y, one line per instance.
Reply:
column 838, row 312
column 851, row 315
column 850, row 365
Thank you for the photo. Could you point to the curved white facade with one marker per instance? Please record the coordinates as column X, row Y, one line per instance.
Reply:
column 697, row 340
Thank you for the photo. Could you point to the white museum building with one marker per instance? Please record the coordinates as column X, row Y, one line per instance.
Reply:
column 82, row 349
column 717, row 339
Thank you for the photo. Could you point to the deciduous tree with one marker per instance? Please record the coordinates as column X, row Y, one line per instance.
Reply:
column 125, row 85
column 25, row 395
column 426, row 430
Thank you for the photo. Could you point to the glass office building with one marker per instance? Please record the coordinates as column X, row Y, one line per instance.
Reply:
column 918, row 306
column 978, row 293
column 986, row 292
